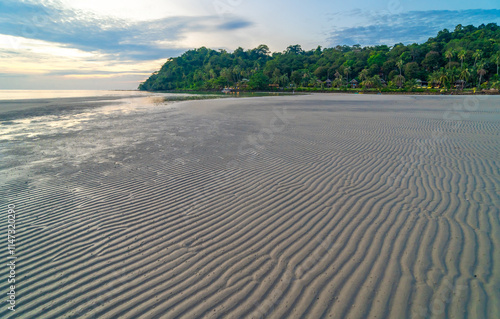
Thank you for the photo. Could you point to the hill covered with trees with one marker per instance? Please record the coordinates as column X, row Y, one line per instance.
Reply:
column 465, row 58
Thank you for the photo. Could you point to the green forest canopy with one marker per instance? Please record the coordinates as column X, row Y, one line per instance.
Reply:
column 469, row 55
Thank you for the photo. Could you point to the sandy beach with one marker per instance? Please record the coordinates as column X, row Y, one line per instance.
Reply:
column 312, row 206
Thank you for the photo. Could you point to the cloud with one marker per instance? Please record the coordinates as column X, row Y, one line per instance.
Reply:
column 9, row 75
column 56, row 63
column 408, row 27
column 46, row 82
column 234, row 25
column 91, row 72
column 84, row 30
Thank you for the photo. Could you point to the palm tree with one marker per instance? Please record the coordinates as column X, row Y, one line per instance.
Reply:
column 284, row 80
column 244, row 73
column 481, row 72
column 434, row 78
column 412, row 83
column 198, row 75
column 399, row 80
column 452, row 75
column 256, row 67
column 227, row 74
column 376, row 81
column 440, row 77
column 477, row 55
column 276, row 76
column 464, row 76
column 275, row 80
column 347, row 70
column 461, row 56
column 399, row 64
column 338, row 82
column 338, row 79
column 306, row 78
column 212, row 73
column 237, row 72
column 495, row 58
column 367, row 83
column 363, row 75
column 449, row 55
column 443, row 78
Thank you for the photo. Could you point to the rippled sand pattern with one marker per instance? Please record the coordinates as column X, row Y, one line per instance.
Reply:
column 322, row 206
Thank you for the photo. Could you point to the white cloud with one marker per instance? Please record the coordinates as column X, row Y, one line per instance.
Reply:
column 135, row 10
column 41, row 57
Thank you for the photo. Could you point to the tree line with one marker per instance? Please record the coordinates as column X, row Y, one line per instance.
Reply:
column 468, row 57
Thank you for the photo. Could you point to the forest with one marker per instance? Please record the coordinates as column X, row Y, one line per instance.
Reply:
column 467, row 58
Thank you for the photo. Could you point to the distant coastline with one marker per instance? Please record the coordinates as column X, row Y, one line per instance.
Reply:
column 346, row 91
column 464, row 61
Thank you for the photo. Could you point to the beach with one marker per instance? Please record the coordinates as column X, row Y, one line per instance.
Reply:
column 305, row 206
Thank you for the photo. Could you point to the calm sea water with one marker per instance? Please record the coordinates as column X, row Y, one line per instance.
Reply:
column 27, row 114
column 51, row 94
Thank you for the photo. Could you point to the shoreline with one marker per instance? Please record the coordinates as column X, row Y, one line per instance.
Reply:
column 333, row 92
column 16, row 108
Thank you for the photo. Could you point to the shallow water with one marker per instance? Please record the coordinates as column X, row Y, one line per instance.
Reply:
column 51, row 94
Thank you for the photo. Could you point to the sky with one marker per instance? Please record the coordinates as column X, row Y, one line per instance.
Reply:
column 116, row 44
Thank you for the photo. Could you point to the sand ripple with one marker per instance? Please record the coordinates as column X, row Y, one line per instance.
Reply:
column 358, row 207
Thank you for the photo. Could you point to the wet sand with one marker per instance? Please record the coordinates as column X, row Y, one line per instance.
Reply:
column 319, row 206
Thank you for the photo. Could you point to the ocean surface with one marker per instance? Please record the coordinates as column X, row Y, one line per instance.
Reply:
column 52, row 94
column 27, row 114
